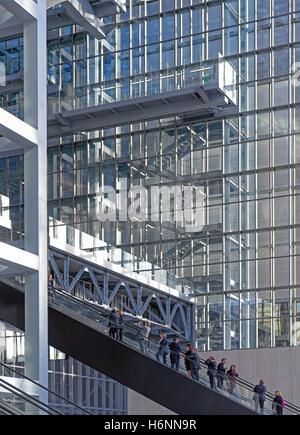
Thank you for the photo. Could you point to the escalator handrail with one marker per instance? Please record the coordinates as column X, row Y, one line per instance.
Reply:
column 10, row 410
column 28, row 398
column 45, row 388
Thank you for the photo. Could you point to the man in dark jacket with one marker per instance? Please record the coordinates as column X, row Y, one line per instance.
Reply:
column 188, row 359
column 212, row 371
column 112, row 324
column 221, row 372
column 259, row 396
column 120, row 325
column 175, row 353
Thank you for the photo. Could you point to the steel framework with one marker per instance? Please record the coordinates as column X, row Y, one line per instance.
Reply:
column 30, row 134
column 94, row 283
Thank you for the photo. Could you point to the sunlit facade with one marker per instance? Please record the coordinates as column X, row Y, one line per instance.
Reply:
column 242, row 268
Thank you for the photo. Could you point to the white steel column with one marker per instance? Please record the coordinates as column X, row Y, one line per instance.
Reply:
column 35, row 213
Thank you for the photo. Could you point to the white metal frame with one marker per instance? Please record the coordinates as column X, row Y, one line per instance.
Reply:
column 31, row 135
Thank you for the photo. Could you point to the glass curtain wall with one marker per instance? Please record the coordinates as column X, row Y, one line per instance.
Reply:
column 243, row 266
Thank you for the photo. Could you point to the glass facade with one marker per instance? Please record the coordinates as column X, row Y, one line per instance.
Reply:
column 242, row 268
column 11, row 63
column 12, row 188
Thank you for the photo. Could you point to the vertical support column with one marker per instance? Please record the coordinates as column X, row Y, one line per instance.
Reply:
column 191, row 321
column 66, row 272
column 139, row 302
column 105, row 287
column 168, row 312
column 35, row 213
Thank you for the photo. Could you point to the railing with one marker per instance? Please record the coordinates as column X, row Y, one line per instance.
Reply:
column 91, row 315
column 141, row 85
column 289, row 407
column 220, row 72
column 61, row 234
column 11, row 71
column 23, row 394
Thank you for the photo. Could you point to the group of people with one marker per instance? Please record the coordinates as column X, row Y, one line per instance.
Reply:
column 259, row 398
column 191, row 357
column 218, row 374
column 115, row 324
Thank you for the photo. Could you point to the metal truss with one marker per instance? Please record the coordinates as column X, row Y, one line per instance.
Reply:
column 94, row 283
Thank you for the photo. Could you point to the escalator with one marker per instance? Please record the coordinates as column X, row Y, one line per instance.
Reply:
column 79, row 329
column 20, row 395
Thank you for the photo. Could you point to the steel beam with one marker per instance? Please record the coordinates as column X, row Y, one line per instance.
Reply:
column 24, row 10
column 12, row 256
column 82, row 13
column 173, row 311
column 181, row 103
column 18, row 132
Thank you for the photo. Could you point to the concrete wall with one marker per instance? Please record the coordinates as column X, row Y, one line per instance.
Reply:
column 140, row 405
column 279, row 367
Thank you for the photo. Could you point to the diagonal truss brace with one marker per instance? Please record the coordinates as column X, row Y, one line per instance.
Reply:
column 169, row 311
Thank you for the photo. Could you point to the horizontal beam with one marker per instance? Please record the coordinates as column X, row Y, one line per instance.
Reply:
column 82, row 13
column 99, row 265
column 24, row 10
column 17, row 131
column 11, row 256
column 180, row 103
column 64, row 16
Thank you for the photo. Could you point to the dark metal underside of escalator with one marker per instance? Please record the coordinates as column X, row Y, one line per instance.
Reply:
column 75, row 338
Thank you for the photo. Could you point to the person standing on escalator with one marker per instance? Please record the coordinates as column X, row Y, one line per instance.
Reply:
column 188, row 359
column 144, row 340
column 212, row 371
column 195, row 365
column 120, row 325
column 112, row 324
column 162, row 348
column 232, row 375
column 221, row 373
column 175, row 353
column 278, row 404
column 259, row 396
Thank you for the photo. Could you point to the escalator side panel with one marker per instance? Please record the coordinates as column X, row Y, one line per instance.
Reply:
column 12, row 306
